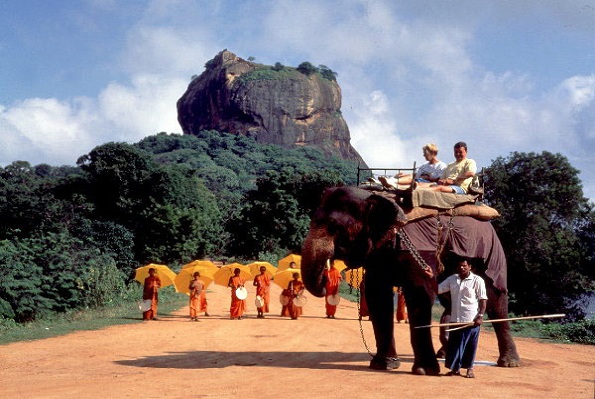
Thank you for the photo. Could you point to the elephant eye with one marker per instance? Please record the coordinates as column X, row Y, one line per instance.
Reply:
column 332, row 229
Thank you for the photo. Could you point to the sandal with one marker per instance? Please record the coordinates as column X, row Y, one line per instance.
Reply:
column 451, row 373
column 470, row 374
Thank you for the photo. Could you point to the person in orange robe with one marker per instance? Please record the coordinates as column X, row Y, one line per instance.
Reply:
column 286, row 294
column 236, row 311
column 294, row 288
column 333, row 280
column 151, row 291
column 196, row 288
column 263, row 290
column 203, row 302
column 401, row 314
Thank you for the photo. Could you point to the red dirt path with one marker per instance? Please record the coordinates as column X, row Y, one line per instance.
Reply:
column 312, row 357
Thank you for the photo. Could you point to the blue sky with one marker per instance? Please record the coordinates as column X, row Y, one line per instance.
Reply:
column 503, row 76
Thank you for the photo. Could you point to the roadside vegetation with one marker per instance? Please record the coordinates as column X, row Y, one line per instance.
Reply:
column 122, row 311
column 71, row 236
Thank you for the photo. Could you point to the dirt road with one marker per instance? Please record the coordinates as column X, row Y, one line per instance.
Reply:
column 312, row 357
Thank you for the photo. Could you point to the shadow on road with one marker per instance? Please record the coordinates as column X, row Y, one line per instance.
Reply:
column 297, row 360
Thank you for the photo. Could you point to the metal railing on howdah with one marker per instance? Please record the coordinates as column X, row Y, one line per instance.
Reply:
column 366, row 173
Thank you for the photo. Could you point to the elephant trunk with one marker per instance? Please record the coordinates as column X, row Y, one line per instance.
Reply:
column 318, row 248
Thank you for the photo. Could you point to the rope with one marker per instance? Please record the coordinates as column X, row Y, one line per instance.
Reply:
column 361, row 327
column 442, row 239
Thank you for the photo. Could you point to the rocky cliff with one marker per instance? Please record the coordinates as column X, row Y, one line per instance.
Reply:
column 275, row 105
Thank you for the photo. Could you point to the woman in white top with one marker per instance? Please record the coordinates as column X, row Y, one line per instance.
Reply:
column 427, row 173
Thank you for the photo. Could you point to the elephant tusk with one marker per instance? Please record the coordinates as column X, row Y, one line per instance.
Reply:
column 328, row 263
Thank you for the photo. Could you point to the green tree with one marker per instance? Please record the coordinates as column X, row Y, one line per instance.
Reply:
column 184, row 220
column 327, row 73
column 545, row 220
column 20, row 281
column 287, row 198
column 53, row 272
column 307, row 68
column 120, row 176
column 27, row 203
column 169, row 211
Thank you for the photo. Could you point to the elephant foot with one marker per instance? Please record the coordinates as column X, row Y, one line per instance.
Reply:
column 418, row 370
column 509, row 361
column 385, row 363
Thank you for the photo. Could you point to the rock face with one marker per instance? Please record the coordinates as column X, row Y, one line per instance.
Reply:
column 274, row 105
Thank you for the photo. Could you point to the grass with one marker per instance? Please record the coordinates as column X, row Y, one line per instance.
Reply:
column 126, row 312
column 582, row 332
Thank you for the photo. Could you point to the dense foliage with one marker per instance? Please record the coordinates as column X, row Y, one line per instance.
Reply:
column 279, row 71
column 71, row 237
column 547, row 229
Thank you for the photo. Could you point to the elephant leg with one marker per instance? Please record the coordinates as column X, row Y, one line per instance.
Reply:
column 498, row 309
column 420, row 314
column 379, row 296
column 444, row 318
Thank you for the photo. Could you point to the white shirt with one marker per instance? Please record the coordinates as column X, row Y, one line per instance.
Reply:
column 435, row 170
column 465, row 295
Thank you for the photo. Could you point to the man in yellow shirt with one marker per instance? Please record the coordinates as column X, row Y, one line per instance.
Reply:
column 458, row 175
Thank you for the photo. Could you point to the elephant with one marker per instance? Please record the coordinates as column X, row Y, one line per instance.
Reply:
column 365, row 229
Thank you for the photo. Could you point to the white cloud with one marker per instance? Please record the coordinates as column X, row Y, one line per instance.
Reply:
column 167, row 51
column 375, row 135
column 407, row 72
column 146, row 106
column 58, row 132
column 46, row 130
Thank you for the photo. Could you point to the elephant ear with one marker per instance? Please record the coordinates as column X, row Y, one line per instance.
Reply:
column 381, row 217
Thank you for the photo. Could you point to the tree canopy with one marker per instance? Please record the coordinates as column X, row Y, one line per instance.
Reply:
column 546, row 228
column 72, row 236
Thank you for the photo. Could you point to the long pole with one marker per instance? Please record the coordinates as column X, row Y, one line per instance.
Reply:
column 545, row 316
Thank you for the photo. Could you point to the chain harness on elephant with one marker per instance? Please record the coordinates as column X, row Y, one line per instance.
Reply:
column 427, row 269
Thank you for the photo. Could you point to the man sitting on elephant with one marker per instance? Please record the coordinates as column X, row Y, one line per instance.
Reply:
column 457, row 176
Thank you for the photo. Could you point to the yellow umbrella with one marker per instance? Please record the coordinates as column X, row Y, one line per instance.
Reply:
column 204, row 267
column 165, row 274
column 283, row 277
column 354, row 277
column 183, row 278
column 339, row 265
column 255, row 268
column 226, row 271
column 285, row 262
column 204, row 264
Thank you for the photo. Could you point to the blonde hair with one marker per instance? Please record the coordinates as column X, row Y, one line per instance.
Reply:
column 431, row 148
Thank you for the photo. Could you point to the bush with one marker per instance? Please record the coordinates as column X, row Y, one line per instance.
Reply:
column 307, row 68
column 102, row 281
column 581, row 332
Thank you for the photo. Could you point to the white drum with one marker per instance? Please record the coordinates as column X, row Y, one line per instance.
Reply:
column 284, row 300
column 259, row 302
column 333, row 299
column 144, row 305
column 242, row 293
column 300, row 300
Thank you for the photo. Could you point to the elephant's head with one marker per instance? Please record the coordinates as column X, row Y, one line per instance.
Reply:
column 348, row 225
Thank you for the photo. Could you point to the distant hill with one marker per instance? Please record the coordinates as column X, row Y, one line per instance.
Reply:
column 286, row 106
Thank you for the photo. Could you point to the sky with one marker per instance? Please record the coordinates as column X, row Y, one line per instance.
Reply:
column 501, row 75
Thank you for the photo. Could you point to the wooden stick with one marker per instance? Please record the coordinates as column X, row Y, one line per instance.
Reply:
column 545, row 316
column 460, row 328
